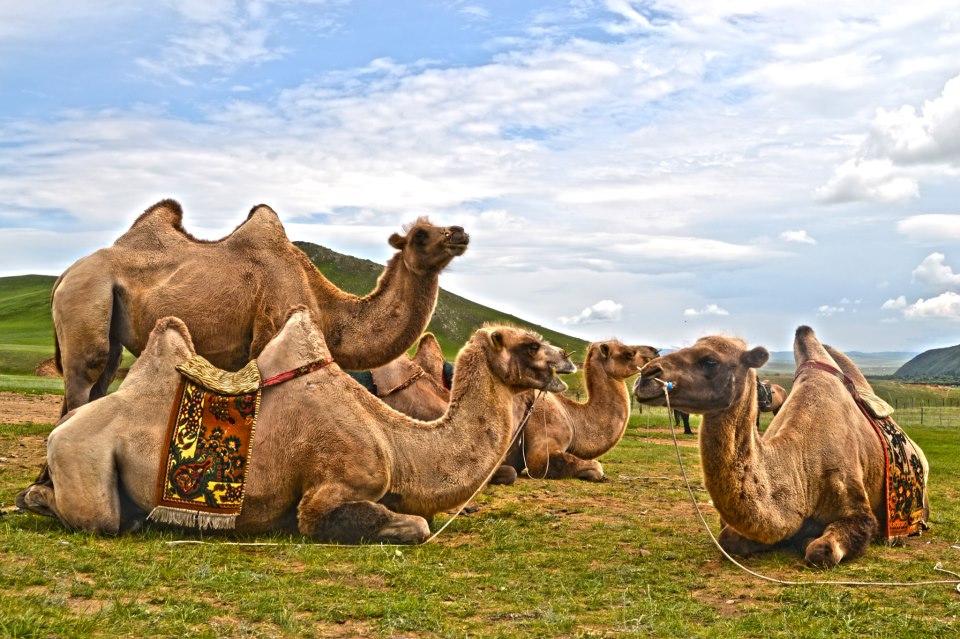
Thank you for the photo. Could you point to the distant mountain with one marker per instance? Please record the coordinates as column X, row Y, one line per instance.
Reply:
column 879, row 363
column 934, row 364
column 26, row 329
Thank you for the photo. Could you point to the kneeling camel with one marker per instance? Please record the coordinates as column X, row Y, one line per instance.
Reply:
column 329, row 459
column 815, row 479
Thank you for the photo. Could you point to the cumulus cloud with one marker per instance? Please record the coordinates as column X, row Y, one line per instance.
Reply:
column 895, row 304
column 800, row 237
column 709, row 309
column 930, row 135
column 933, row 227
column 602, row 311
column 945, row 306
column 897, row 140
column 870, row 180
column 933, row 273
column 826, row 310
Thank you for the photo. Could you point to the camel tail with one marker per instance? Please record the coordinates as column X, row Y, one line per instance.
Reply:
column 57, row 359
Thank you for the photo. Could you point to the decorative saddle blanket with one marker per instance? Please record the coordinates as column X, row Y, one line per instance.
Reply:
column 905, row 481
column 209, row 443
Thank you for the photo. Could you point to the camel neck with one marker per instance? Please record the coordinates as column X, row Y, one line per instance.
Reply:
column 369, row 331
column 732, row 456
column 438, row 465
column 599, row 422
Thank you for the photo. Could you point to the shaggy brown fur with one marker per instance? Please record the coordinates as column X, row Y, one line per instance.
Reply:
column 232, row 294
column 330, row 459
column 816, row 477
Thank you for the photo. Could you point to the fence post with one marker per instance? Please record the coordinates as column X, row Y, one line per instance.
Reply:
column 921, row 415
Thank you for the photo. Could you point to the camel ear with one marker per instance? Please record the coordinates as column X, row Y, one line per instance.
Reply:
column 397, row 241
column 756, row 358
column 497, row 338
column 605, row 350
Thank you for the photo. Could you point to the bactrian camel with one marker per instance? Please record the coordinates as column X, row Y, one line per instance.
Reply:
column 562, row 437
column 233, row 294
column 814, row 479
column 330, row 460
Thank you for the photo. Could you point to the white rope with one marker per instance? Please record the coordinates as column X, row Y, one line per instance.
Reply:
column 667, row 386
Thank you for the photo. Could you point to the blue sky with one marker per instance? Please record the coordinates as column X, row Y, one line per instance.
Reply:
column 653, row 171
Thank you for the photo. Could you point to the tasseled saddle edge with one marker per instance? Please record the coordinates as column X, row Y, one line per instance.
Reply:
column 192, row 518
column 202, row 372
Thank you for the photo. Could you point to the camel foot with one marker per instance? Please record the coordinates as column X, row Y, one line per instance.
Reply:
column 594, row 472
column 824, row 552
column 505, row 476
column 736, row 544
column 36, row 498
column 359, row 521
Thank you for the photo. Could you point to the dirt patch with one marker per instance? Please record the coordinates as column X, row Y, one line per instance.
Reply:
column 16, row 408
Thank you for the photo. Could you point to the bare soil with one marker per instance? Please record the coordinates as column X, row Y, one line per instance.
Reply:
column 29, row 409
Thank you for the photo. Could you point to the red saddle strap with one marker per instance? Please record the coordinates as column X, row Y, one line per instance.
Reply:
column 296, row 372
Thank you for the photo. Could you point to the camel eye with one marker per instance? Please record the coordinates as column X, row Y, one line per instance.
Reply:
column 709, row 362
column 533, row 347
column 420, row 236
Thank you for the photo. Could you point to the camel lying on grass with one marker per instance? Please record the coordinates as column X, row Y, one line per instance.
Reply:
column 329, row 459
column 815, row 479
column 563, row 437
column 233, row 294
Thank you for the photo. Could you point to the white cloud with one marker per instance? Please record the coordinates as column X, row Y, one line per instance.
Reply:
column 930, row 136
column 932, row 227
column 709, row 309
column 870, row 180
column 602, row 311
column 933, row 273
column 826, row 310
column 800, row 237
column 945, row 306
column 895, row 304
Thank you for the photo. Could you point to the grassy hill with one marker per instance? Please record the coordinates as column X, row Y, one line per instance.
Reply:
column 26, row 329
column 935, row 365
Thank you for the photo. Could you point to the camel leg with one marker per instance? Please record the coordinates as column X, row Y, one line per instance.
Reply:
column 351, row 522
column 542, row 464
column 102, row 385
column 85, row 480
column 844, row 538
column 736, row 544
column 506, row 475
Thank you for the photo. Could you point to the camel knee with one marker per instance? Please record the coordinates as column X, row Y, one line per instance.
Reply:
column 843, row 539
column 736, row 544
column 359, row 521
column 592, row 470
column 505, row 475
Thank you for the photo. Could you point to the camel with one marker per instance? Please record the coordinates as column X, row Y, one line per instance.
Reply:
column 814, row 480
column 233, row 294
column 414, row 385
column 564, row 437
column 330, row 460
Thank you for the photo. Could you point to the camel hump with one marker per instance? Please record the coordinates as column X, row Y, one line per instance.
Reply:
column 262, row 226
column 156, row 227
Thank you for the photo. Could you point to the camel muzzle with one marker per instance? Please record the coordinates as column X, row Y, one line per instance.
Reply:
column 456, row 240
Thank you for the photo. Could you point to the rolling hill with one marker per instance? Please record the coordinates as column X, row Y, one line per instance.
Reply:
column 937, row 364
column 26, row 329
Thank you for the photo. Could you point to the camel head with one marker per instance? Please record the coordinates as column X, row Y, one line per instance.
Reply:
column 429, row 357
column 427, row 248
column 619, row 360
column 709, row 376
column 523, row 360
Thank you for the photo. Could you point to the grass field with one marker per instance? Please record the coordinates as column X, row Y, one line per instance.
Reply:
column 625, row 558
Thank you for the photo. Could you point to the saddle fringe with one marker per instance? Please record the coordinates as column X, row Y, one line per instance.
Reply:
column 192, row 519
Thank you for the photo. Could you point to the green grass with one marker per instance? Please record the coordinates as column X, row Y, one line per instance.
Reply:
column 539, row 559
